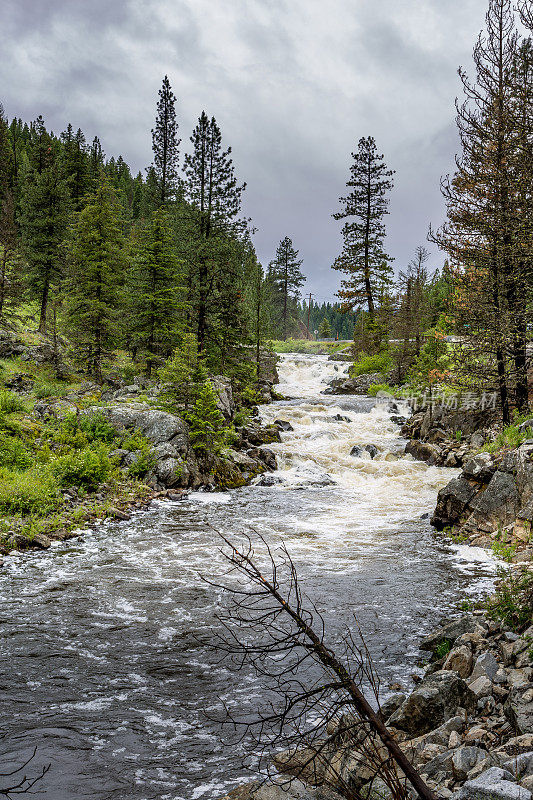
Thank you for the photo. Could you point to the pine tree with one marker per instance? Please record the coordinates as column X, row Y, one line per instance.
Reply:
column 96, row 162
column 154, row 291
column 286, row 278
column 11, row 268
column 43, row 222
column 208, row 432
column 76, row 165
column 183, row 373
column 165, row 144
column 363, row 257
column 324, row 329
column 96, row 259
column 214, row 199
column 483, row 219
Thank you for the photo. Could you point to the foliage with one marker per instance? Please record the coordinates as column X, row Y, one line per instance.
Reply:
column 381, row 362
column 511, row 437
column 183, row 373
column 285, row 278
column 375, row 388
column 324, row 329
column 31, row 492
column 433, row 362
column 512, row 604
column 442, row 649
column 208, row 431
column 13, row 453
column 10, row 402
column 87, row 468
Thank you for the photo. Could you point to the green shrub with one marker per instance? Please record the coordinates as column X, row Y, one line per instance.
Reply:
column 442, row 649
column 10, row 402
column 380, row 362
column 77, row 432
column 44, row 388
column 374, row 388
column 512, row 604
column 32, row 492
column 13, row 453
column 510, row 438
column 144, row 463
column 86, row 468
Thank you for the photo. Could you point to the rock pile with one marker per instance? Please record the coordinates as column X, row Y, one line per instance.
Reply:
column 446, row 438
column 467, row 726
column 358, row 385
column 493, row 497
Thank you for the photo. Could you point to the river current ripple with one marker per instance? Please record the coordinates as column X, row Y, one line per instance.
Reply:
column 101, row 669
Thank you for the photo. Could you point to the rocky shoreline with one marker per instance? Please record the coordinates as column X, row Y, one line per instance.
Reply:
column 467, row 725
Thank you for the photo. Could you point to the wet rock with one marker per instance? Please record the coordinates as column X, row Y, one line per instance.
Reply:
column 117, row 513
column 267, row 456
column 268, row 480
column 357, row 385
column 460, row 660
column 296, row 791
column 356, row 451
column 338, row 418
column 258, row 435
column 450, row 631
column 37, row 541
column 432, row 702
column 177, row 497
column 453, row 503
column 494, row 784
column 283, row 425
column 372, row 449
column 422, row 451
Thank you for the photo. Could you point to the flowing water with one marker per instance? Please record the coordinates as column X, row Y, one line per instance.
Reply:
column 101, row 669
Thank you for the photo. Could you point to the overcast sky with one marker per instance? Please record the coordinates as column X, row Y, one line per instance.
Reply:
column 293, row 85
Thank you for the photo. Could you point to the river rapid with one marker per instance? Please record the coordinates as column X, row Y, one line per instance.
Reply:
column 101, row 669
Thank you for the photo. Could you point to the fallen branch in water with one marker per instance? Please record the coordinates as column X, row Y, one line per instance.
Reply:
column 268, row 626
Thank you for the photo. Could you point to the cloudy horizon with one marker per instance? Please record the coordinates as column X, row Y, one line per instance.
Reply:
column 293, row 88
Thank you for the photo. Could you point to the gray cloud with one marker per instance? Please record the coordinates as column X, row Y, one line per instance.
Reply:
column 293, row 83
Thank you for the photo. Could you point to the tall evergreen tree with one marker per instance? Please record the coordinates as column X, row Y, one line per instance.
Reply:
column 10, row 261
column 75, row 162
column 165, row 145
column 480, row 234
column 43, row 222
column 155, row 302
column 214, row 198
column 96, row 259
column 363, row 258
column 286, row 278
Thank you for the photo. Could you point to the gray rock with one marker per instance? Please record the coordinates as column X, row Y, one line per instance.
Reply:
column 391, row 704
column 356, row 451
column 423, row 451
column 486, row 666
column 453, row 502
column 433, row 701
column 268, row 480
column 372, row 449
column 224, row 393
column 283, row 425
column 450, row 631
column 518, row 708
column 494, row 784
column 358, row 385
column 520, row 765
column 464, row 759
column 169, row 471
column 481, row 687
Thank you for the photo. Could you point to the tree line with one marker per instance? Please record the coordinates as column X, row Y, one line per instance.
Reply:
column 140, row 263
column 483, row 295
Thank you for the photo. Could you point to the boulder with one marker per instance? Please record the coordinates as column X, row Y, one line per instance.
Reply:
column 422, row 451
column 283, row 425
column 224, row 393
column 521, row 764
column 464, row 759
column 268, row 480
column 481, row 468
column 432, row 702
column 453, row 502
column 494, row 784
column 518, row 708
column 460, row 660
column 391, row 704
column 480, row 687
column 265, row 791
column 9, row 345
column 450, row 631
column 357, row 385
column 485, row 666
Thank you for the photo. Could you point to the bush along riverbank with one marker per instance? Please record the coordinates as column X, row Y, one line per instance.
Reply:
column 73, row 451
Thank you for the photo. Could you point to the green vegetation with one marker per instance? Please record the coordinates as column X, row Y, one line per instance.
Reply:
column 10, row 402
column 442, row 649
column 511, row 436
column 305, row 346
column 512, row 604
column 208, row 431
column 379, row 362
column 375, row 388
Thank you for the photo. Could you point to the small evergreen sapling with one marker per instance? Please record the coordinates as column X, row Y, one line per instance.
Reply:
column 208, row 431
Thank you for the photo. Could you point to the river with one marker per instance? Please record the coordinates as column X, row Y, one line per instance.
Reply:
column 101, row 669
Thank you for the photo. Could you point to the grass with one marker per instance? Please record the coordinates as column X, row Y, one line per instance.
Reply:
column 306, row 346
column 510, row 437
column 374, row 388
column 10, row 402
column 512, row 604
